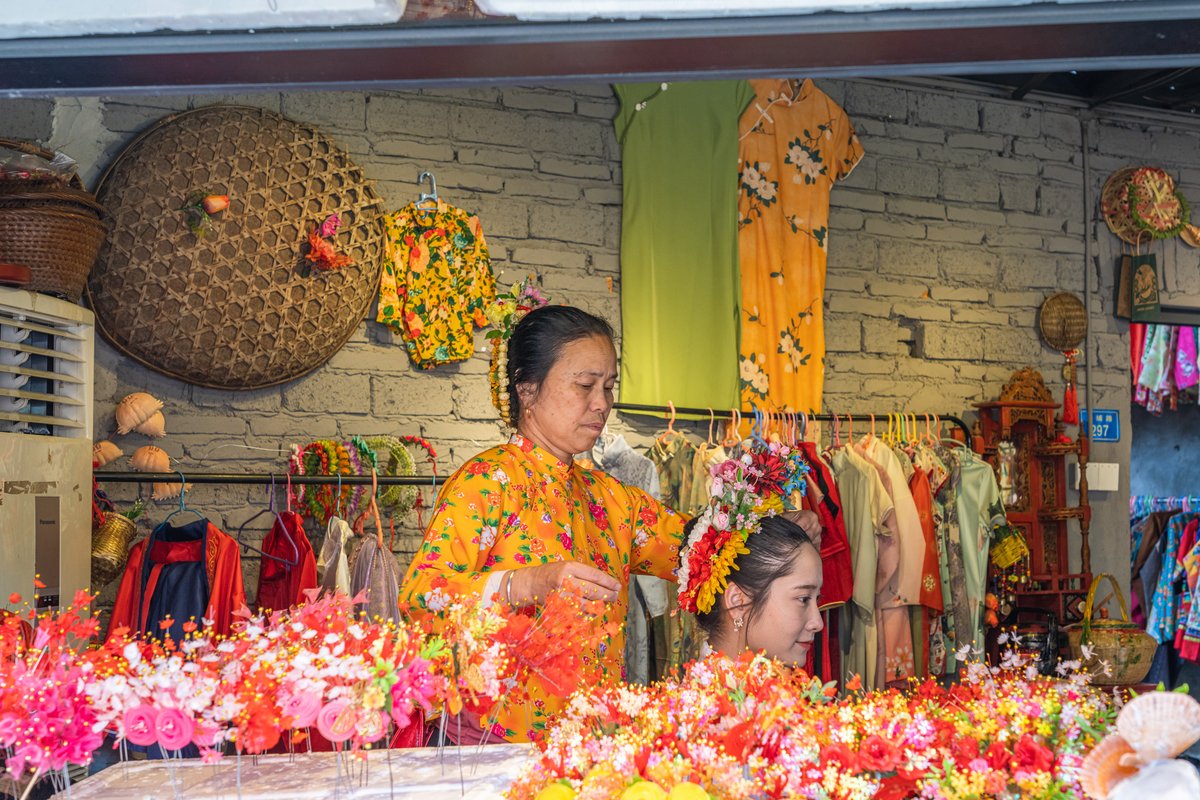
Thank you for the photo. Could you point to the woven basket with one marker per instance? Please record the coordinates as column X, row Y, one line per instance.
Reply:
column 1123, row 646
column 57, row 243
column 110, row 547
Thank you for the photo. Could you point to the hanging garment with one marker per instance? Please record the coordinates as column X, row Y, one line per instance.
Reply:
column 679, row 260
column 672, row 455
column 1187, row 640
column 836, row 562
column 707, row 456
column 979, row 511
column 1144, row 537
column 891, row 606
column 191, row 572
column 375, row 572
column 1164, row 604
column 436, row 282
column 795, row 144
column 1186, row 375
column 931, row 605
column 1157, row 375
column 282, row 585
column 1137, row 348
column 517, row 505
column 1187, row 581
column 333, row 567
column 649, row 596
column 868, row 510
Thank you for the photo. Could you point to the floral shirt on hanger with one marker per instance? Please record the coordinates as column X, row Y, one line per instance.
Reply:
column 436, row 282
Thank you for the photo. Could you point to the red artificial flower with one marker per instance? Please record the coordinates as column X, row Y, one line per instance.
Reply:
column 740, row 739
column 896, row 788
column 877, row 754
column 998, row 757
column 323, row 254
column 855, row 683
column 1031, row 756
column 965, row 751
column 840, row 754
column 766, row 472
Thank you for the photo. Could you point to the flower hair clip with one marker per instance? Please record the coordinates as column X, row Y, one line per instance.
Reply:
column 761, row 483
column 503, row 315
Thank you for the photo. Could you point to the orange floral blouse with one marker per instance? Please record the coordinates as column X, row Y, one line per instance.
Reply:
column 517, row 505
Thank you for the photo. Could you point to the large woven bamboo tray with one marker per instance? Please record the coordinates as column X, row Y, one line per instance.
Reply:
column 238, row 307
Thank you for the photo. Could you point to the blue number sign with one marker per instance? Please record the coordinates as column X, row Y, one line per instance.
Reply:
column 1106, row 427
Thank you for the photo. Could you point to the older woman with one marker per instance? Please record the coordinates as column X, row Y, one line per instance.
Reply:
column 521, row 519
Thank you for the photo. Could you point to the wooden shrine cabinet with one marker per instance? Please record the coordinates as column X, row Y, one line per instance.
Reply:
column 1037, row 501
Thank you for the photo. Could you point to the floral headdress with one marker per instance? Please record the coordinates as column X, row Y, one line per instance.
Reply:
column 761, row 483
column 503, row 314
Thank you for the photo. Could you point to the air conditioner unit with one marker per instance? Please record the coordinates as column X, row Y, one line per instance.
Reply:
column 46, row 361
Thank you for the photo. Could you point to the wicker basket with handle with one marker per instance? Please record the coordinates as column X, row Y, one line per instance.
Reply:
column 50, row 226
column 1123, row 647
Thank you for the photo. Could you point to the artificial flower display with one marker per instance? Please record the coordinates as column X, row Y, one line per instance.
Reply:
column 753, row 729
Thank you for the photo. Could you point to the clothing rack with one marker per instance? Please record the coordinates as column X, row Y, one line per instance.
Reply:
column 749, row 415
column 1143, row 504
column 280, row 479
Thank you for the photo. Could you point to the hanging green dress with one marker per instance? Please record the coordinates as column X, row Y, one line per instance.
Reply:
column 680, row 291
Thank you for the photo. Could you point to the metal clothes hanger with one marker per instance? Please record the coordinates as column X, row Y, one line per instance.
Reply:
column 183, row 507
column 270, row 509
column 428, row 201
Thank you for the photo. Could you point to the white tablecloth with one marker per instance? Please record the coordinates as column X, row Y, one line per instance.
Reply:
column 420, row 774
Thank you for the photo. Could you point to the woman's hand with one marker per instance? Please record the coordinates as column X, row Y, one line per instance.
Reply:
column 809, row 522
column 534, row 584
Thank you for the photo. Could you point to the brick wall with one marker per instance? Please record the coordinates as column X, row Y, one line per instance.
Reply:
column 966, row 212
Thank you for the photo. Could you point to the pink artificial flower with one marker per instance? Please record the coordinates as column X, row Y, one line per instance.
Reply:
column 300, row 709
column 175, row 729
column 327, row 722
column 141, row 725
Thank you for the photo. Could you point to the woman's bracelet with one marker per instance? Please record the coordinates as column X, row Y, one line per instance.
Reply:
column 508, row 587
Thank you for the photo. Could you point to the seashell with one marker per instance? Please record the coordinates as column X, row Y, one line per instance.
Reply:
column 105, row 452
column 134, row 409
column 1103, row 768
column 150, row 459
column 1159, row 725
column 167, row 491
column 155, row 426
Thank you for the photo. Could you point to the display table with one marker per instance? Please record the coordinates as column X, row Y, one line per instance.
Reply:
column 473, row 773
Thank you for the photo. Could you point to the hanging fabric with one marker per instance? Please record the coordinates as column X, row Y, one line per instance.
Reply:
column 283, row 582
column 795, row 143
column 679, row 261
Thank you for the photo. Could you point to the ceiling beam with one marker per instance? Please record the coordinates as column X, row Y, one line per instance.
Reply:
column 1039, row 38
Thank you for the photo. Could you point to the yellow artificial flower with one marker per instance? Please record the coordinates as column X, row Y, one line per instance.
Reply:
column 556, row 791
column 687, row 791
column 771, row 502
column 722, row 564
column 644, row 790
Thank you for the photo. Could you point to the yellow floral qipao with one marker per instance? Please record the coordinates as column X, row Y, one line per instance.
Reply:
column 436, row 282
column 516, row 506
column 793, row 149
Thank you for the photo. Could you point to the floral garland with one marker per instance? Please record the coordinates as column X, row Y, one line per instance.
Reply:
column 754, row 729
column 763, row 482
column 503, row 314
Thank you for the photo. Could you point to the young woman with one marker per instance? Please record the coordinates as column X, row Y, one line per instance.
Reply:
column 751, row 575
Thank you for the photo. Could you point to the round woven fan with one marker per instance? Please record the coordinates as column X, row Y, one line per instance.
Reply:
column 1114, row 205
column 1063, row 321
column 1155, row 204
column 236, row 305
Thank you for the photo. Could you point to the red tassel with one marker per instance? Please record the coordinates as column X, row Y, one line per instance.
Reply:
column 1070, row 415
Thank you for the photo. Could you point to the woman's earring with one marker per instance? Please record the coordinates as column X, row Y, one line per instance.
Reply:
column 737, row 623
